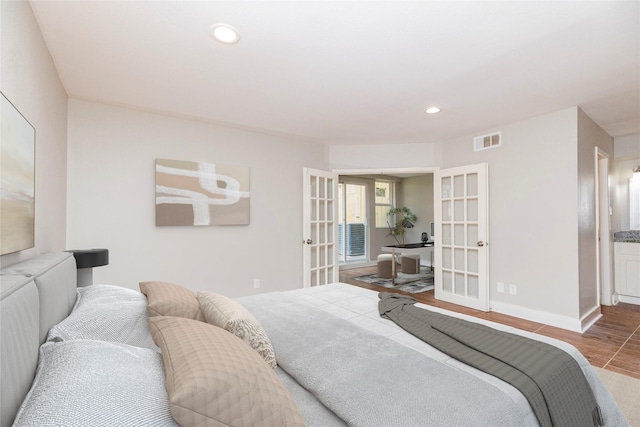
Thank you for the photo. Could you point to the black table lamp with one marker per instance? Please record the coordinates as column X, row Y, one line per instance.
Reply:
column 86, row 259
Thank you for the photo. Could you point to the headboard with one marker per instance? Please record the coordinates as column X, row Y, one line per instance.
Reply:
column 34, row 295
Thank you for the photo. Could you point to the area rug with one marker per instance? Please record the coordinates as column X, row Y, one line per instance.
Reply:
column 624, row 390
column 412, row 283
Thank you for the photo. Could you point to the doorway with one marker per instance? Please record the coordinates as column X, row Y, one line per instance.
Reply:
column 603, row 230
column 478, row 296
column 412, row 187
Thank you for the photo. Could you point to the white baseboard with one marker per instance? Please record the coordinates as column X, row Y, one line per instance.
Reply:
column 590, row 318
column 551, row 319
column 629, row 299
column 357, row 265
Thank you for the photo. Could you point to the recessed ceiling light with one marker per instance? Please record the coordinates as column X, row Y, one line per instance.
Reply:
column 224, row 33
column 432, row 110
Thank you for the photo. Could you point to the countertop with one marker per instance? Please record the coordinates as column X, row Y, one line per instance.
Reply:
column 631, row 236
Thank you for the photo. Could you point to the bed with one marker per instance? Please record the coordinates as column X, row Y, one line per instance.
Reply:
column 165, row 356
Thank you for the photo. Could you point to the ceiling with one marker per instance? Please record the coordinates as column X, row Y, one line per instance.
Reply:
column 353, row 72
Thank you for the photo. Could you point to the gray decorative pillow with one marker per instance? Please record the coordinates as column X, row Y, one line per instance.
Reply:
column 226, row 313
column 107, row 313
column 96, row 383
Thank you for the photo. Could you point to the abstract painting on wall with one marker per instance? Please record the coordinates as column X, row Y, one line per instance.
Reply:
column 17, row 180
column 198, row 193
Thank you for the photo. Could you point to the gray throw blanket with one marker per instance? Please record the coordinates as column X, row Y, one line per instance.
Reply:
column 548, row 377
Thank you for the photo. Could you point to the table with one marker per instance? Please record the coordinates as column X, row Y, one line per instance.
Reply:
column 425, row 249
column 86, row 259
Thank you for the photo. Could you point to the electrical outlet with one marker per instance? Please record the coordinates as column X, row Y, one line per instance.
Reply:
column 256, row 283
column 513, row 289
column 500, row 287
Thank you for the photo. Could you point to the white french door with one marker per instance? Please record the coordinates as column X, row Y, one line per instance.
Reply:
column 462, row 223
column 320, row 231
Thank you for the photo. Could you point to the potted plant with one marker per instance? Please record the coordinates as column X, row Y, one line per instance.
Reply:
column 404, row 219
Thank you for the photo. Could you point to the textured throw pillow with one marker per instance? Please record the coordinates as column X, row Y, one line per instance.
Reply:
column 96, row 383
column 213, row 378
column 169, row 299
column 107, row 313
column 226, row 313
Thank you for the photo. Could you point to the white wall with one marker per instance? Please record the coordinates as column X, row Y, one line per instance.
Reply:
column 30, row 81
column 533, row 221
column 384, row 156
column 627, row 146
column 112, row 201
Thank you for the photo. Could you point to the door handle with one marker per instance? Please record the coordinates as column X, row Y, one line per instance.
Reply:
column 308, row 241
column 480, row 243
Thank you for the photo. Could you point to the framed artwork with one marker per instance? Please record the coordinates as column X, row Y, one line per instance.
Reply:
column 17, row 180
column 198, row 193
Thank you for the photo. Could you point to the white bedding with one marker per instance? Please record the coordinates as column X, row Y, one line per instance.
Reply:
column 96, row 383
column 99, row 366
column 358, row 306
column 109, row 320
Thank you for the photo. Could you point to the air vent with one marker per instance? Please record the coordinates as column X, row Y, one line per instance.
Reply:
column 483, row 142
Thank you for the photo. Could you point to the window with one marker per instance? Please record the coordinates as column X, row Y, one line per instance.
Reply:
column 385, row 200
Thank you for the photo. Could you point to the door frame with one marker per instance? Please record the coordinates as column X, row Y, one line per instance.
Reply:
column 386, row 171
column 604, row 270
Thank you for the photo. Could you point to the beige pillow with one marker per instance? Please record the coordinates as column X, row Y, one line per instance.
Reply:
column 224, row 312
column 214, row 379
column 169, row 299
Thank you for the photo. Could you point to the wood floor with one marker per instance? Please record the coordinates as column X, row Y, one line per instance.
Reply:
column 612, row 343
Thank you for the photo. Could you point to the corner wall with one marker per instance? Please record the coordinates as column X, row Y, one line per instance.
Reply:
column 112, row 152
column 29, row 80
column 590, row 136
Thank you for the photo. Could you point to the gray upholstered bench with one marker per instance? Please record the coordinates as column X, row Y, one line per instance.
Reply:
column 385, row 266
column 410, row 263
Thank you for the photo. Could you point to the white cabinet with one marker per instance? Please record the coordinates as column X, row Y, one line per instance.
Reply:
column 627, row 268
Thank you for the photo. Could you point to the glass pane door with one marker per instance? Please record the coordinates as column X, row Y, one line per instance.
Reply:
column 462, row 221
column 319, row 227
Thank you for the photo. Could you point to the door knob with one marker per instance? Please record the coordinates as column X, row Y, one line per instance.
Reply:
column 308, row 241
column 480, row 243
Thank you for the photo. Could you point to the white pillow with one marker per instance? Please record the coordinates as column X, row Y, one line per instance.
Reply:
column 226, row 313
column 107, row 313
column 96, row 383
